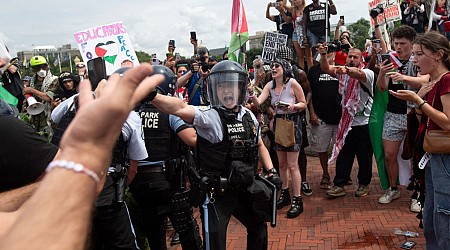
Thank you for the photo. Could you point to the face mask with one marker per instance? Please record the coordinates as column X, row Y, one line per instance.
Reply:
column 41, row 73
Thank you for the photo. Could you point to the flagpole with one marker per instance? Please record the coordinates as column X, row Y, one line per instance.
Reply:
column 59, row 62
column 70, row 60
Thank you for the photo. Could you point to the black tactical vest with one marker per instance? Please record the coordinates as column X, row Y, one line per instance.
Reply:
column 119, row 150
column 66, row 119
column 239, row 143
column 161, row 142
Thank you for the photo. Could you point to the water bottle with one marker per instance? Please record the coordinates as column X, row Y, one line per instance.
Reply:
column 398, row 231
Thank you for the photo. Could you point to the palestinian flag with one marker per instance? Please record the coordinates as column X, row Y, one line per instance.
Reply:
column 394, row 59
column 239, row 32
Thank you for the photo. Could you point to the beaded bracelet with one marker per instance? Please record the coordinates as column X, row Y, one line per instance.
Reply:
column 76, row 167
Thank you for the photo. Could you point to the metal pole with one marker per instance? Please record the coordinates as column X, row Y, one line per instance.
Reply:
column 327, row 29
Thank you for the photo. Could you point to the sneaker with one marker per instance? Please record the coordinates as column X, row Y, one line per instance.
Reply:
column 363, row 190
column 175, row 239
column 335, row 191
column 306, row 188
column 415, row 206
column 168, row 223
column 389, row 196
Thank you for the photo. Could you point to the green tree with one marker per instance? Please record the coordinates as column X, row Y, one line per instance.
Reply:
column 360, row 32
column 143, row 56
column 250, row 56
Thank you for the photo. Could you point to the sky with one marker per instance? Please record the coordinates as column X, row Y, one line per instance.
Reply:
column 150, row 24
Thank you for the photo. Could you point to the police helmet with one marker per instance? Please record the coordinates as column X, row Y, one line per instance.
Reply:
column 232, row 76
column 169, row 85
column 6, row 109
column 37, row 61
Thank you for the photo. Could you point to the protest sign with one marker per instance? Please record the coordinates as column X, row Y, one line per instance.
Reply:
column 5, row 56
column 391, row 11
column 272, row 41
column 109, row 41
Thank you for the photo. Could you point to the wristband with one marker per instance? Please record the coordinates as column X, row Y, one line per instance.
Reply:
column 76, row 167
column 272, row 171
column 377, row 25
column 419, row 107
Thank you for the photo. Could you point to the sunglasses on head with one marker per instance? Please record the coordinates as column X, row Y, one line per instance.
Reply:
column 67, row 80
column 276, row 65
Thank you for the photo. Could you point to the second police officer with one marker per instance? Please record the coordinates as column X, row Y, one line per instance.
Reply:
column 228, row 145
column 159, row 188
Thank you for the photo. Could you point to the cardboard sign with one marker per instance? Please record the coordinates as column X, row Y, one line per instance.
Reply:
column 109, row 41
column 4, row 56
column 392, row 11
column 272, row 41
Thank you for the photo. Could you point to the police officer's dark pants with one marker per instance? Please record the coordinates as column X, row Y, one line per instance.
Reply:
column 153, row 193
column 237, row 204
column 357, row 143
column 112, row 228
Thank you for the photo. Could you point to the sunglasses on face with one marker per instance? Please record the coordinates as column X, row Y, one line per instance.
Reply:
column 276, row 65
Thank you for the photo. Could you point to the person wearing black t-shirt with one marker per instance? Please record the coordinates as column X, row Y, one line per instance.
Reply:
column 325, row 113
column 283, row 20
column 24, row 156
column 314, row 19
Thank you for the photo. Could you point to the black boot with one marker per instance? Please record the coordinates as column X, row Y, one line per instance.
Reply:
column 284, row 199
column 296, row 207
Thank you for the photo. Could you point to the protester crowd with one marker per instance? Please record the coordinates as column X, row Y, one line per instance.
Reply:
column 215, row 137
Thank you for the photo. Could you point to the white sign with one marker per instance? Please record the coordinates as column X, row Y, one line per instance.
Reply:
column 391, row 13
column 271, row 43
column 4, row 56
column 109, row 41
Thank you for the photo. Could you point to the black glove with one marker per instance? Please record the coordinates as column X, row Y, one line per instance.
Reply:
column 275, row 178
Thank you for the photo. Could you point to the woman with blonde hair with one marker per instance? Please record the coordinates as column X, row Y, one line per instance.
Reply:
column 432, row 105
column 301, row 47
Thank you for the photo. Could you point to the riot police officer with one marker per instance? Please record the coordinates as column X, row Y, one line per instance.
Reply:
column 111, row 227
column 159, row 186
column 228, row 144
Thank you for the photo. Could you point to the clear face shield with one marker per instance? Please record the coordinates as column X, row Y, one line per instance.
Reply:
column 227, row 89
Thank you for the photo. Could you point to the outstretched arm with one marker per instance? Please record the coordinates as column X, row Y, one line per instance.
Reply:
column 174, row 106
column 58, row 214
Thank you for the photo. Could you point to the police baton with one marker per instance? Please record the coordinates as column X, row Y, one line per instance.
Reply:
column 273, row 217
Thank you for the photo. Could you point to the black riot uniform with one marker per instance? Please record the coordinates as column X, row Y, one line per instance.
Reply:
column 227, row 159
column 159, row 185
column 111, row 227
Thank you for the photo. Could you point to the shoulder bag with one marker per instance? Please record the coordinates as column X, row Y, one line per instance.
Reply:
column 436, row 141
column 284, row 130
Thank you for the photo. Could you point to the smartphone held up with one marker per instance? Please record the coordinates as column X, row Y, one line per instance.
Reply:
column 96, row 71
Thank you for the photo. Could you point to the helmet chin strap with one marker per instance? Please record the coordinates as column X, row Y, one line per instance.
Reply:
column 234, row 109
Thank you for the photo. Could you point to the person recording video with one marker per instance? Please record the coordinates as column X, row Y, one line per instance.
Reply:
column 195, row 79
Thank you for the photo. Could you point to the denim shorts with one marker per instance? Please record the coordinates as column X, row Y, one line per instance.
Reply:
column 436, row 216
column 314, row 39
column 394, row 126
